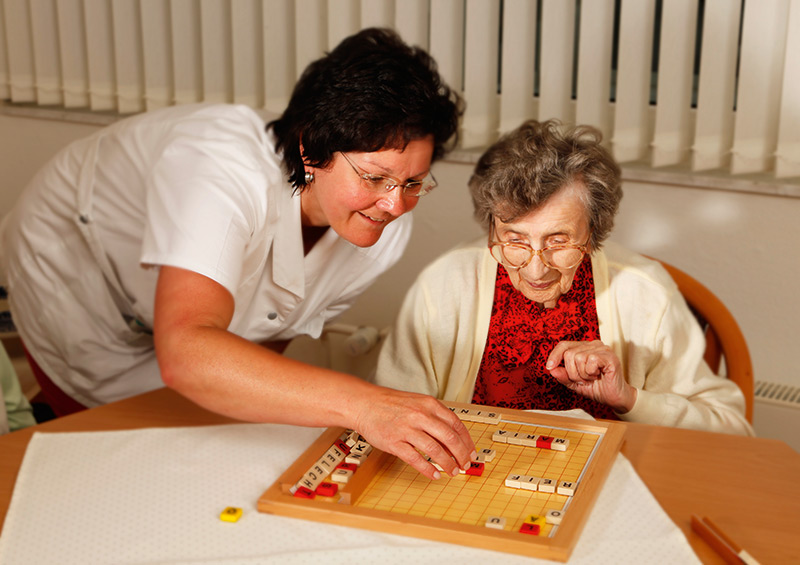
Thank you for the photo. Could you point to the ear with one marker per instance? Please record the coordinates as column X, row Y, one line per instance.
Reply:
column 303, row 153
column 308, row 168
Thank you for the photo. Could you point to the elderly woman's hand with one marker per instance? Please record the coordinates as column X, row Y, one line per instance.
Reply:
column 591, row 369
column 406, row 423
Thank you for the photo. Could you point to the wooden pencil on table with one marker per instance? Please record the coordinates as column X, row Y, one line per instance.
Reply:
column 720, row 542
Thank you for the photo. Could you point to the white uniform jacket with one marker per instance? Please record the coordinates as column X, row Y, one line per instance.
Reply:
column 437, row 343
column 198, row 187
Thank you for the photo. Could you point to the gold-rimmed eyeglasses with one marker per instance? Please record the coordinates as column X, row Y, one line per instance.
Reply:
column 381, row 183
column 519, row 255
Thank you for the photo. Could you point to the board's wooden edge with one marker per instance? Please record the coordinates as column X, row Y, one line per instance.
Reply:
column 275, row 500
column 361, row 479
column 590, row 485
column 303, row 463
column 540, row 419
column 478, row 537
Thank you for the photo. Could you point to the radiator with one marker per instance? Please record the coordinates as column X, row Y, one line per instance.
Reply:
column 776, row 412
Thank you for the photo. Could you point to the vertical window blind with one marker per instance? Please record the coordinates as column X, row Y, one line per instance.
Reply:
column 702, row 84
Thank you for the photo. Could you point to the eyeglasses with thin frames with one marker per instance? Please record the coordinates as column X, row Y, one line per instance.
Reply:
column 381, row 183
column 519, row 255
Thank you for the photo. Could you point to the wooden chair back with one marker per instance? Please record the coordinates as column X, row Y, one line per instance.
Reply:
column 724, row 338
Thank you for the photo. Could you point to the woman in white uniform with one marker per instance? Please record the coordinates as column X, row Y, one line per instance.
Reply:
column 171, row 247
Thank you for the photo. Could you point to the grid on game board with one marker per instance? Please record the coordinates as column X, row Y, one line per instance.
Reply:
column 471, row 500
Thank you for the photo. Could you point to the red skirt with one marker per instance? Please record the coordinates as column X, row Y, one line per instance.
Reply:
column 60, row 402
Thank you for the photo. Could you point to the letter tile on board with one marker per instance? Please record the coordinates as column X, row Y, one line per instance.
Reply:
column 313, row 477
column 544, row 442
column 528, row 439
column 513, row 481
column 535, row 519
column 532, row 529
column 342, row 446
column 341, row 475
column 486, row 455
column 327, row 489
column 496, row 522
column 559, row 444
column 363, row 447
column 303, row 492
column 500, row 436
column 554, row 516
column 475, row 469
column 547, row 485
column 566, row 487
column 465, row 414
column 355, row 458
column 485, row 416
column 309, row 483
column 492, row 417
column 334, row 455
column 529, row 483
column 515, row 438
column 434, row 463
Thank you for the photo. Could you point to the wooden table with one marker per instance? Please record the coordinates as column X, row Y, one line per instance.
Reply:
column 749, row 486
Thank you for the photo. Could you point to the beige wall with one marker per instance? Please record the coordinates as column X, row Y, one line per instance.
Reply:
column 742, row 246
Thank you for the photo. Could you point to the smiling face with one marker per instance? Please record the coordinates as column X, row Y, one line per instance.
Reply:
column 562, row 219
column 337, row 197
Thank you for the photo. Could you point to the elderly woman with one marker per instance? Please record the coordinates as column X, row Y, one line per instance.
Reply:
column 547, row 317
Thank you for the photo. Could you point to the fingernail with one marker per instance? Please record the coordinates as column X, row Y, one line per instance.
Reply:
column 473, row 456
column 437, row 475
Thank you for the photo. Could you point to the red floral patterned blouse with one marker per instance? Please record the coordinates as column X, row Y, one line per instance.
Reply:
column 521, row 336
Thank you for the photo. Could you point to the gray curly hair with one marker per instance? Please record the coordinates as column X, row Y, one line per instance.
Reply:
column 526, row 166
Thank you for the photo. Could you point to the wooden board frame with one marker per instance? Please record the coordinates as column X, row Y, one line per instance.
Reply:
column 277, row 499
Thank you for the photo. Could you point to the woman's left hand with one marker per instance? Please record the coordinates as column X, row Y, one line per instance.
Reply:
column 591, row 369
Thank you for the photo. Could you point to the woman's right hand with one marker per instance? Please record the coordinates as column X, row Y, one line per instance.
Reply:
column 405, row 424
column 592, row 369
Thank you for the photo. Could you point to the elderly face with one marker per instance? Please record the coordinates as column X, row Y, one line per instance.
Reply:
column 561, row 220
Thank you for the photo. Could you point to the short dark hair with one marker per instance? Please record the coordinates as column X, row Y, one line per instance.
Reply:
column 371, row 92
column 528, row 165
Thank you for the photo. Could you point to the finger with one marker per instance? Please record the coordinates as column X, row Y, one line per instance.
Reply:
column 449, row 443
column 594, row 364
column 573, row 366
column 556, row 356
column 463, row 449
column 448, row 429
column 560, row 374
column 582, row 359
column 413, row 457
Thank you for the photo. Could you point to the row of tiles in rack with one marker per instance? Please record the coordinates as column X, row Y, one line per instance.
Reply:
column 532, row 440
column 475, row 415
column 526, row 482
column 531, row 524
column 340, row 462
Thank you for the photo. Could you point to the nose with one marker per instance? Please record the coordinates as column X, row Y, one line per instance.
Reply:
column 394, row 202
column 536, row 267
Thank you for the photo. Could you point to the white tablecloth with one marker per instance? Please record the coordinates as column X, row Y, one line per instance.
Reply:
column 155, row 495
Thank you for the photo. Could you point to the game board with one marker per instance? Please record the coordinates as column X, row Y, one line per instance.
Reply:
column 386, row 494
